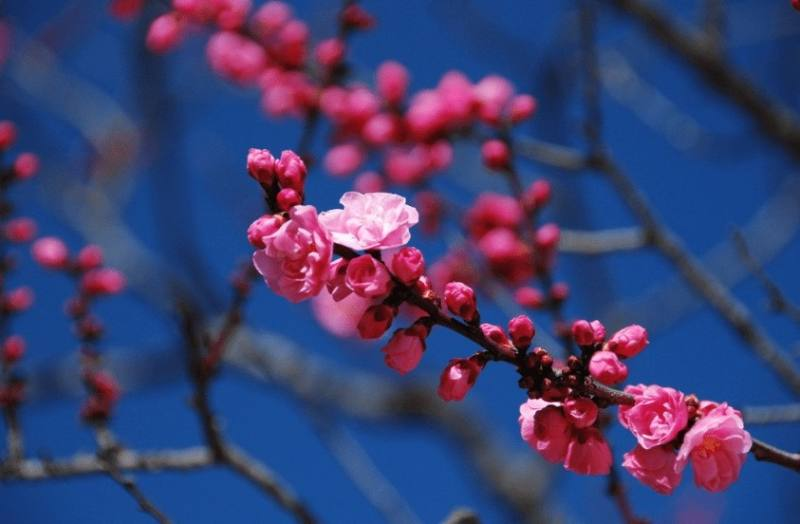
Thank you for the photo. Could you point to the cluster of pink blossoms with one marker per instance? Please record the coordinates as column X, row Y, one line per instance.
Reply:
column 93, row 280
column 17, row 230
column 357, row 256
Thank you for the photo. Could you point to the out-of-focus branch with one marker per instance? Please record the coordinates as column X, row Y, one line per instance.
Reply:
column 602, row 241
column 774, row 119
column 82, row 464
column 771, row 414
column 777, row 299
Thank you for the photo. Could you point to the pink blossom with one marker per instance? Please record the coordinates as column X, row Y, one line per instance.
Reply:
column 232, row 13
column 103, row 281
column 8, row 134
column 588, row 453
column 20, row 230
column 287, row 198
column 368, row 277
column 291, row 170
column 236, row 57
column 337, row 279
column 370, row 221
column 456, row 92
column 717, row 445
column 628, row 341
column 25, row 166
column 581, row 412
column 330, row 52
column 392, row 81
column 521, row 330
column 271, row 17
column 261, row 227
column 496, row 154
column 493, row 93
column 493, row 210
column 368, row 182
column 50, row 252
column 165, row 32
column 407, row 165
column 657, row 417
column 508, row 256
column 404, row 350
column 521, row 108
column 261, row 165
column 458, row 378
column 13, row 349
column 497, row 336
column 343, row 159
column 90, row 257
column 537, row 195
column 547, row 236
column 545, row 429
column 427, row 115
column 654, row 467
column 529, row 297
column 339, row 317
column 408, row 264
column 460, row 300
column 295, row 258
column 18, row 299
column 376, row 321
column 606, row 367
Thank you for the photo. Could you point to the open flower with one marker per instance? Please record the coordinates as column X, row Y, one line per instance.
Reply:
column 295, row 258
column 370, row 221
column 717, row 445
column 657, row 417
column 654, row 467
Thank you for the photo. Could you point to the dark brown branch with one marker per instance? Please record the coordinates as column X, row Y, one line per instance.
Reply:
column 774, row 119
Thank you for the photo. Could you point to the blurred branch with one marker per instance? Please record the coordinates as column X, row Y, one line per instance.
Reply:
column 361, row 469
column 777, row 299
column 462, row 516
column 771, row 414
column 775, row 120
column 602, row 241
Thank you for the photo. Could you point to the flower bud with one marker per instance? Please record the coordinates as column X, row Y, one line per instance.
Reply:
column 261, row 165
column 376, row 321
column 606, row 367
column 50, row 252
column 496, row 154
column 460, row 300
column 522, row 331
column 368, row 277
column 13, row 349
column 25, row 166
column 102, row 281
column 261, row 227
column 628, row 341
column 408, row 264
column 529, row 297
column 288, row 198
column 404, row 350
column 458, row 378
column 291, row 170
column 20, row 230
column 89, row 257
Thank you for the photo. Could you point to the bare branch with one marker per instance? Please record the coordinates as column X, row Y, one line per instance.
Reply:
column 771, row 414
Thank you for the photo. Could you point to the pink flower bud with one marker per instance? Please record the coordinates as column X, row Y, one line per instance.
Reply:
column 8, row 134
column 521, row 108
column 460, row 300
column 25, row 166
column 369, row 182
column 105, row 393
column 89, row 257
column 337, row 285
column 653, row 467
column 408, row 264
column 404, row 350
column 50, row 252
column 458, row 378
column 392, row 82
column 522, row 331
column 628, row 341
column 368, row 277
column 588, row 453
column 270, row 17
column 20, row 230
column 356, row 17
column 343, row 159
column 498, row 337
column 376, row 321
column 102, row 281
column 18, row 299
column 165, row 32
column 529, row 297
column 291, row 171
column 13, row 349
column 559, row 291
column 330, row 52
column 537, row 195
column 606, row 367
column 582, row 412
column 288, row 198
column 496, row 154
column 547, row 236
column 262, row 226
column 261, row 165
column 583, row 333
